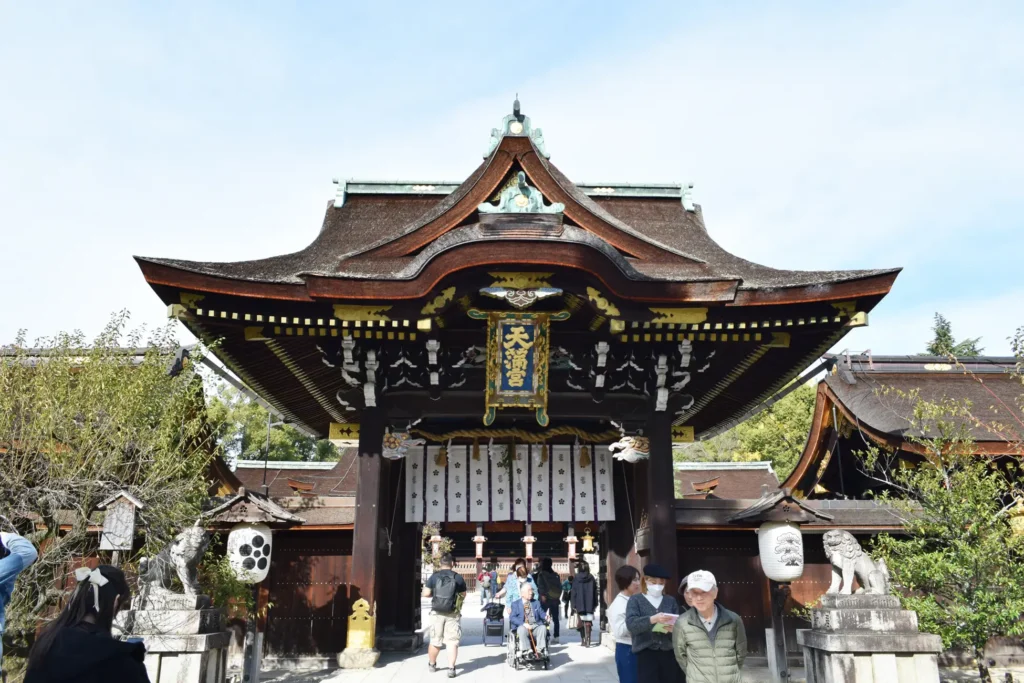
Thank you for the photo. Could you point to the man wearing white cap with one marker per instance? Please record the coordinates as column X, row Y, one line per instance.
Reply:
column 710, row 642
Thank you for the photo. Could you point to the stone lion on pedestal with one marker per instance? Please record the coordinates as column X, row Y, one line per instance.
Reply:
column 848, row 560
column 180, row 558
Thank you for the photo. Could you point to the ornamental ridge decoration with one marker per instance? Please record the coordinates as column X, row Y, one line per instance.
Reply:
column 521, row 197
column 517, row 124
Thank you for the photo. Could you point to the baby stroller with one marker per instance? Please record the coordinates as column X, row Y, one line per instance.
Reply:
column 518, row 659
column 494, row 622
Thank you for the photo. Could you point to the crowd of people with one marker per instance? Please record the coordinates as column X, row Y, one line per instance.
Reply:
column 656, row 639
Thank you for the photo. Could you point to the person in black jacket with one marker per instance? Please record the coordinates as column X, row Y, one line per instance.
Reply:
column 584, row 600
column 77, row 646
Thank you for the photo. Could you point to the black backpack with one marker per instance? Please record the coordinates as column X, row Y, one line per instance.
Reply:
column 549, row 585
column 443, row 601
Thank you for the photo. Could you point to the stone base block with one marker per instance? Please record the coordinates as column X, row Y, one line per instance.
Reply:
column 859, row 601
column 174, row 601
column 358, row 658
column 870, row 643
column 187, row 658
column 185, row 643
column 842, row 667
column 178, row 622
column 872, row 620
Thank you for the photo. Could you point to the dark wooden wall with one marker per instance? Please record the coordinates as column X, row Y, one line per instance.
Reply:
column 732, row 557
column 308, row 588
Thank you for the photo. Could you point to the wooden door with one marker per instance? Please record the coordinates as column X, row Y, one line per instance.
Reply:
column 309, row 593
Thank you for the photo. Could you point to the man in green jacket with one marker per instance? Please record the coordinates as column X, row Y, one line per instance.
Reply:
column 710, row 642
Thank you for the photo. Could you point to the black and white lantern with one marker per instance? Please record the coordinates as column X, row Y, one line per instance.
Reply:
column 249, row 551
column 781, row 549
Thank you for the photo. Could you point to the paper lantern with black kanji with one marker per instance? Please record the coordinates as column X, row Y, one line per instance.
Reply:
column 249, row 551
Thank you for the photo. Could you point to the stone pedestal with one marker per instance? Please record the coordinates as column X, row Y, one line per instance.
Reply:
column 867, row 639
column 184, row 637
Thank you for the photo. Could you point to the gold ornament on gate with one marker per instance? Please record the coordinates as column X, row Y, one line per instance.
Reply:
column 588, row 541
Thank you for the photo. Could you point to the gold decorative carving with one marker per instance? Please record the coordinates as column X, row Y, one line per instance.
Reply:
column 520, row 280
column 682, row 434
column 343, row 431
column 439, row 302
column 190, row 299
column 423, row 324
column 361, row 313
column 361, row 627
column 602, row 304
column 176, row 311
column 255, row 333
column 858, row 319
column 686, row 316
column 780, row 340
column 617, row 326
column 847, row 308
column 520, row 435
column 585, row 456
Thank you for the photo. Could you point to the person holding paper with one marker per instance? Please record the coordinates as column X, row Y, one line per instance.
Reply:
column 710, row 642
column 650, row 618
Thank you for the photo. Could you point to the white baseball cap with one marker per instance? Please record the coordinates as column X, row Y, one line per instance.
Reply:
column 701, row 580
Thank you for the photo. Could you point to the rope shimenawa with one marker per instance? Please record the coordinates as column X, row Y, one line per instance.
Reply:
column 522, row 436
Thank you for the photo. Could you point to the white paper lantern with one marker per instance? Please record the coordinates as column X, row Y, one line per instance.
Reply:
column 781, row 547
column 249, row 551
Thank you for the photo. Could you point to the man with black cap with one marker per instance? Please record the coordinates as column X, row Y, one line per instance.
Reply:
column 650, row 618
column 710, row 642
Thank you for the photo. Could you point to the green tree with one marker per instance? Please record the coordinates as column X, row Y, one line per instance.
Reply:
column 240, row 425
column 959, row 565
column 777, row 433
column 943, row 343
column 78, row 423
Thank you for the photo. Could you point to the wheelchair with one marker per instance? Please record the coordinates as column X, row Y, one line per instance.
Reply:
column 518, row 659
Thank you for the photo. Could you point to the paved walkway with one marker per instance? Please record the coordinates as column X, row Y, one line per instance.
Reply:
column 570, row 663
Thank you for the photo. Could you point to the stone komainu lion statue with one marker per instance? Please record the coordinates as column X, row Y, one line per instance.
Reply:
column 181, row 556
column 848, row 560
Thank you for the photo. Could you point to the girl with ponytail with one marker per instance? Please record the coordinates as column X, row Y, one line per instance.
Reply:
column 78, row 646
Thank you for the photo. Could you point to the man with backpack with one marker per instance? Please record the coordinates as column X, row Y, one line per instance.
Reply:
column 549, row 584
column 447, row 590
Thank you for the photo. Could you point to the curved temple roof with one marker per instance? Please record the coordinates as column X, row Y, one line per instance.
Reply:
column 381, row 231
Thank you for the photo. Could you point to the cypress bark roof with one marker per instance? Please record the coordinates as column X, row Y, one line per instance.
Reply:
column 677, row 244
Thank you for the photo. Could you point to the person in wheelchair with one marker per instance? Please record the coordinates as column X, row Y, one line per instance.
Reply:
column 529, row 621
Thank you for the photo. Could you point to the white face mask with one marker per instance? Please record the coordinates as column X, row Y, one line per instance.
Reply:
column 655, row 590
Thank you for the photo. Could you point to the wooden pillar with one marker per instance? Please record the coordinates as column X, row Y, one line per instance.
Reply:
column 661, row 496
column 360, row 649
column 620, row 534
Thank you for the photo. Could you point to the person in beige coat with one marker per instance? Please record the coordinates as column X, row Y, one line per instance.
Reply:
column 709, row 641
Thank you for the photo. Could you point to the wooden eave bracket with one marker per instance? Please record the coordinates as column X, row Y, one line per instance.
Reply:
column 779, row 506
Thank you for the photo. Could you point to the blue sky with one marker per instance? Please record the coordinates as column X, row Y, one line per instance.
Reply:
column 818, row 135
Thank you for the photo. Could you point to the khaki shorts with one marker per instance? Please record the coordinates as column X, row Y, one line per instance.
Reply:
column 445, row 628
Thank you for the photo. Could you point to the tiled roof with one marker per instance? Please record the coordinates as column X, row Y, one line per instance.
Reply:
column 339, row 480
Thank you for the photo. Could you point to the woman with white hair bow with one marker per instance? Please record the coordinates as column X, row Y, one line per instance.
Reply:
column 78, row 646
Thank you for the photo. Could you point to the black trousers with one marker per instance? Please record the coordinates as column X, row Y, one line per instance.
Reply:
column 658, row 666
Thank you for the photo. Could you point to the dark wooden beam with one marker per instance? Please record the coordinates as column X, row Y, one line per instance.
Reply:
column 416, row 404
column 661, row 495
